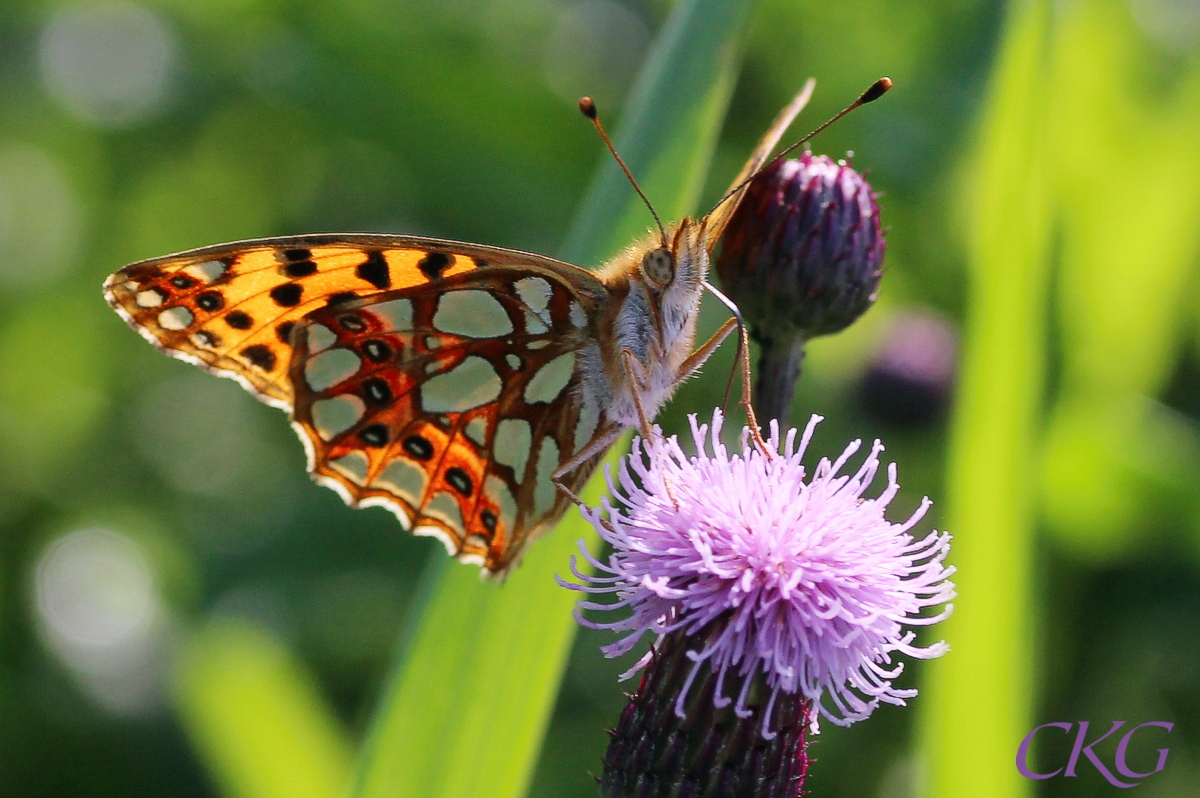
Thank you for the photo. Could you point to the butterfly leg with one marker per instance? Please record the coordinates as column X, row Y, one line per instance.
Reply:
column 637, row 379
column 604, row 437
column 743, row 355
column 697, row 359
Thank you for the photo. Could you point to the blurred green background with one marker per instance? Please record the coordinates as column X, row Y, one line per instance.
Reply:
column 177, row 599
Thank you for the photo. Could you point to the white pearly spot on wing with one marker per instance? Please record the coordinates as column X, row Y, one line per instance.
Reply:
column 352, row 466
column 175, row 318
column 207, row 271
column 535, row 293
column 534, row 324
column 397, row 313
column 335, row 415
column 444, row 508
column 511, row 446
column 470, row 384
column 544, row 490
column 472, row 314
column 578, row 317
column 550, row 379
column 477, row 430
column 320, row 337
column 330, row 367
column 148, row 299
column 404, row 479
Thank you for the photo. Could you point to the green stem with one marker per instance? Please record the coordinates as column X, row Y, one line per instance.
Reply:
column 779, row 365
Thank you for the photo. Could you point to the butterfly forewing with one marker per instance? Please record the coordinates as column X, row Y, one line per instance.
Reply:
column 231, row 308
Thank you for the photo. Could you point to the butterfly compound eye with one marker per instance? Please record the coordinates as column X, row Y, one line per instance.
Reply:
column 659, row 266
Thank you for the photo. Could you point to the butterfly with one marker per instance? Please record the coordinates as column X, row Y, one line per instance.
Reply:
column 469, row 389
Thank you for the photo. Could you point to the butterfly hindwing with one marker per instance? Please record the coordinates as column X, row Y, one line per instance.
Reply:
column 452, row 408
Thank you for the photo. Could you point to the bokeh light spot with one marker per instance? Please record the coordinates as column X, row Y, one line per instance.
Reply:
column 40, row 217
column 109, row 64
column 99, row 612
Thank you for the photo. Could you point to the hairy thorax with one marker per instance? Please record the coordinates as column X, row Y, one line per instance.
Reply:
column 657, row 325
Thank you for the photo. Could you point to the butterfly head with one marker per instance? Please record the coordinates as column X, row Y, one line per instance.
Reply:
column 658, row 267
column 672, row 267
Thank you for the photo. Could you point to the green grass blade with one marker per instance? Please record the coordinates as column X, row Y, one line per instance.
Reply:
column 669, row 129
column 467, row 707
column 977, row 704
column 256, row 717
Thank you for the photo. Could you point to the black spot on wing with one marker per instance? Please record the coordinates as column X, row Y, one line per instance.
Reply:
column 374, row 435
column 459, row 480
column 433, row 264
column 377, row 351
column 375, row 271
column 377, row 392
column 340, row 297
column 208, row 339
column 284, row 332
column 287, row 295
column 260, row 356
column 418, row 446
column 239, row 320
column 300, row 268
column 210, row 301
column 351, row 323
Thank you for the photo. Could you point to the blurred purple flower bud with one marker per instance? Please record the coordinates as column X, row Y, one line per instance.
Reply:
column 910, row 377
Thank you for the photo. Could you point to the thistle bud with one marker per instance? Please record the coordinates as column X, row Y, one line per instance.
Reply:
column 801, row 257
column 712, row 749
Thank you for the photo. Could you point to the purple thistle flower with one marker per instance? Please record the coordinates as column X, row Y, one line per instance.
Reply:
column 801, row 583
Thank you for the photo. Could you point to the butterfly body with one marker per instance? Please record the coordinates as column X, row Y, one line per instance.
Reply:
column 657, row 324
column 458, row 385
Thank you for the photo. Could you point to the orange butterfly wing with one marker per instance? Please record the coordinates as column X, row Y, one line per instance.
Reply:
column 436, row 378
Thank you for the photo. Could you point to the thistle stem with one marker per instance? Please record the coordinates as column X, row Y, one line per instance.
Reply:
column 778, row 370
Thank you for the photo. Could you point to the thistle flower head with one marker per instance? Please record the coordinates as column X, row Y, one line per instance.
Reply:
column 791, row 581
column 802, row 255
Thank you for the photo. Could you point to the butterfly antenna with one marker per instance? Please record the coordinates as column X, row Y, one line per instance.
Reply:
column 876, row 90
column 588, row 107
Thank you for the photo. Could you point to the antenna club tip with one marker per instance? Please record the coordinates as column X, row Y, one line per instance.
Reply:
column 877, row 90
column 587, row 107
